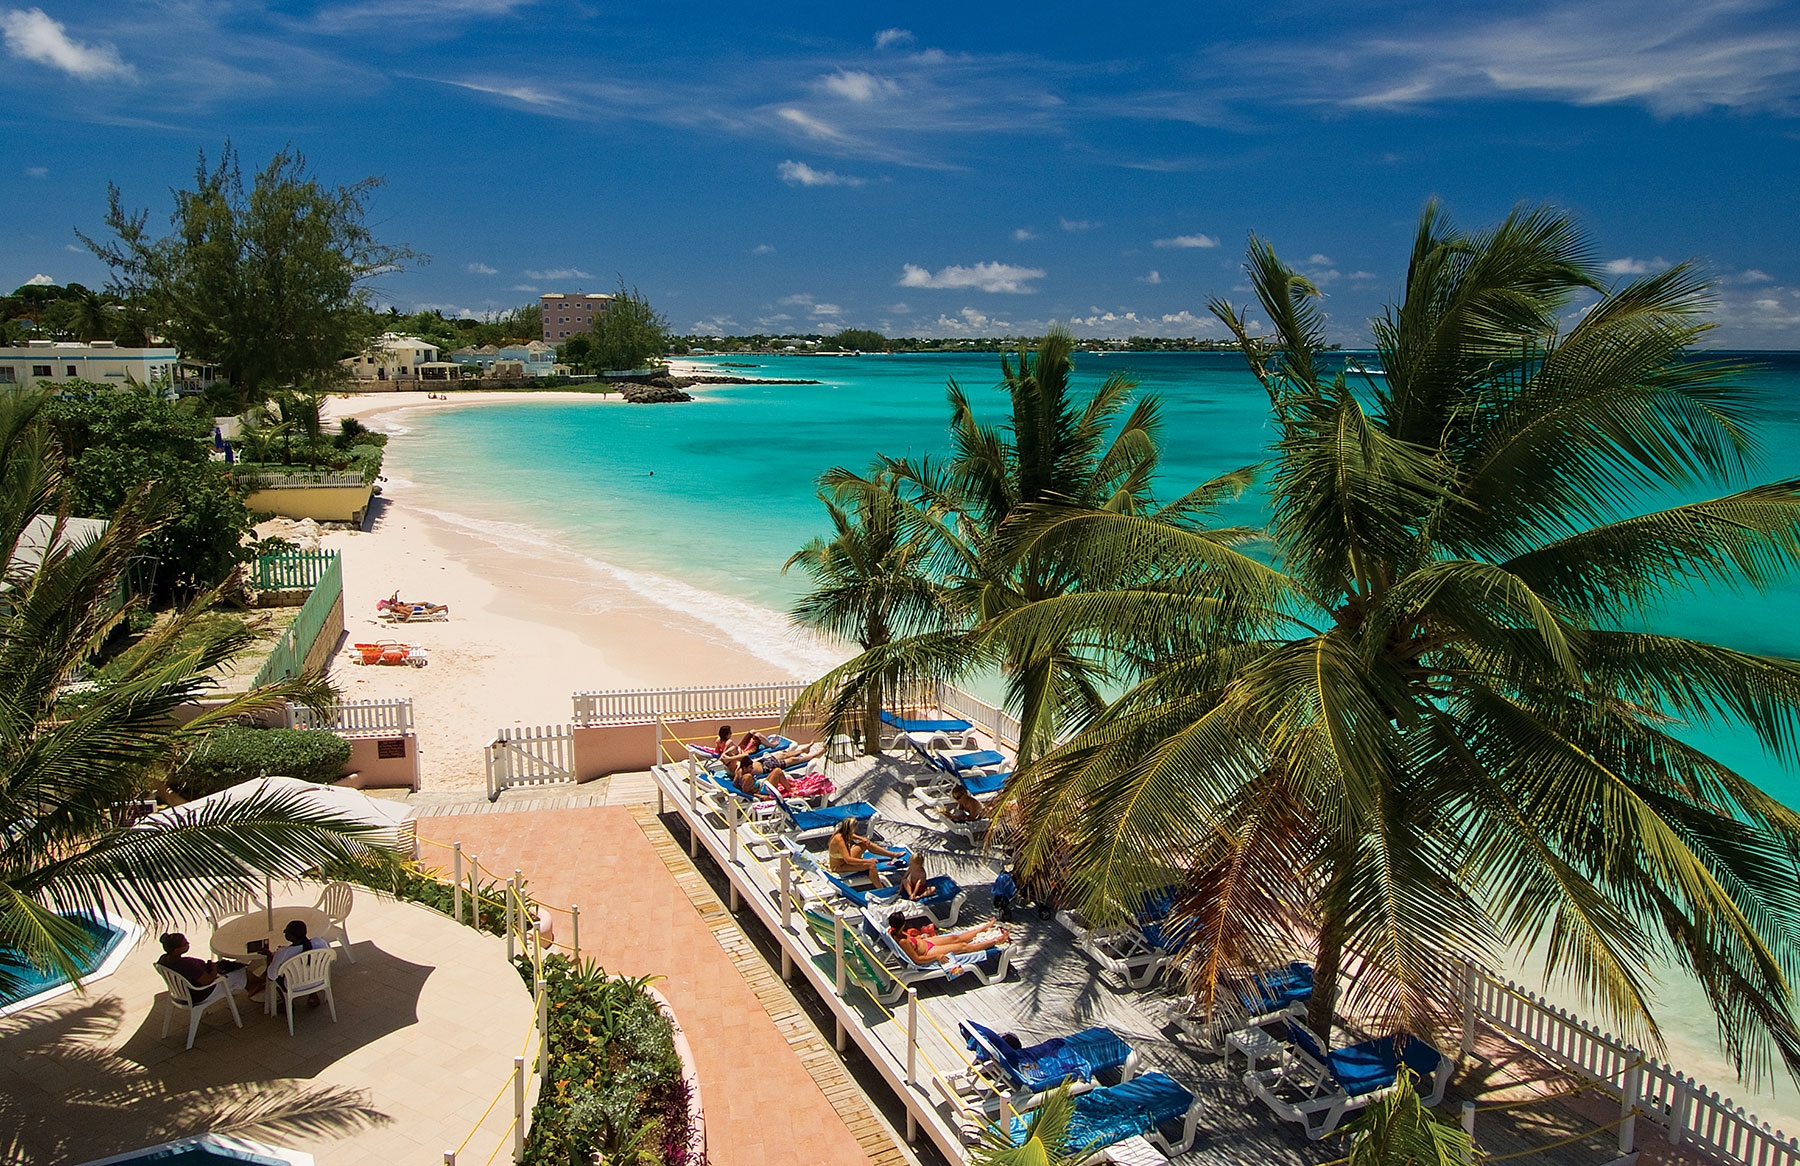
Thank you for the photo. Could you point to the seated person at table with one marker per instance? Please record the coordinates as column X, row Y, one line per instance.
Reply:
column 297, row 942
column 923, row 947
column 202, row 973
column 915, row 884
column 850, row 853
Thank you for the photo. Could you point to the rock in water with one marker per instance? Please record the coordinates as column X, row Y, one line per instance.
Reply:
column 652, row 394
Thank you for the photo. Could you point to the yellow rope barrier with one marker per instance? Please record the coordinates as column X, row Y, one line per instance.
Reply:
column 1500, row 1106
column 504, row 1135
column 490, row 1109
column 1560, row 1142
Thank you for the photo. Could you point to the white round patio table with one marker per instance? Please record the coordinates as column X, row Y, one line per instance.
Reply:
column 233, row 936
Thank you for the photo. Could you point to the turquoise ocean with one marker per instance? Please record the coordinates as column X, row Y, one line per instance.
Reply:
column 697, row 506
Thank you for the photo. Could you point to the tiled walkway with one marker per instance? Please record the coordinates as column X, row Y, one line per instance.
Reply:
column 762, row 1104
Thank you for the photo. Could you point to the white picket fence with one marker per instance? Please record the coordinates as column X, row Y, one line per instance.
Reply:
column 541, row 755
column 641, row 706
column 356, row 718
column 1690, row 1113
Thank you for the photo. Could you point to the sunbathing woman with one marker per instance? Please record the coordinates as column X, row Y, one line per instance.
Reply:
column 924, row 948
column 755, row 779
column 850, row 853
column 798, row 755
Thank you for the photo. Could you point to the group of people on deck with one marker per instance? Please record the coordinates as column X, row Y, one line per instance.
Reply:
column 760, row 772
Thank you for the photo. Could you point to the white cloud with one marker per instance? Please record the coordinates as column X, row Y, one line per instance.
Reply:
column 37, row 171
column 889, row 37
column 1630, row 266
column 1183, row 241
column 762, row 249
column 814, row 127
column 987, row 277
column 1022, row 234
column 1077, row 224
column 482, row 269
column 800, row 174
column 856, row 85
column 1153, row 277
column 813, row 307
column 1318, row 260
column 969, row 322
column 524, row 287
column 33, row 36
column 900, row 309
column 525, row 93
column 1672, row 56
column 40, row 280
column 1362, row 275
column 1754, row 276
column 77, row 250
column 714, row 326
column 556, row 274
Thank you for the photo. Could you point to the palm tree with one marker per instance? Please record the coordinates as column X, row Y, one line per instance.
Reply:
column 66, row 760
column 870, row 585
column 1046, row 1140
column 1057, row 449
column 1398, row 1130
column 1426, row 727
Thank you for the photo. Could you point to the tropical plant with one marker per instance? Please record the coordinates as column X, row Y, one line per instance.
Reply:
column 870, row 582
column 1045, row 1141
column 67, row 759
column 1058, row 450
column 1396, row 1129
column 1433, row 730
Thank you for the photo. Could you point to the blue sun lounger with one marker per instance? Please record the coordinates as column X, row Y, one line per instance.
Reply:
column 908, row 725
column 1036, row 1068
column 1149, row 1105
column 820, row 822
column 1313, row 1082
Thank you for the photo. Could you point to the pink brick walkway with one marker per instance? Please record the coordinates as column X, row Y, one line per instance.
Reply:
column 762, row 1107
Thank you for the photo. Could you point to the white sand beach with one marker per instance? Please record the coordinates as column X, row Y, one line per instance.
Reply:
column 519, row 641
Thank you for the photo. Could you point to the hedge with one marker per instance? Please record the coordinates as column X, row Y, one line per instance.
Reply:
column 234, row 753
column 616, row 1093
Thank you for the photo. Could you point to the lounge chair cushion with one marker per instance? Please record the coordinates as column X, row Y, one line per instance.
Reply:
column 1049, row 1063
column 1372, row 1064
column 943, row 889
column 828, row 816
column 1275, row 989
column 982, row 784
column 1105, row 1116
column 956, row 763
column 906, row 725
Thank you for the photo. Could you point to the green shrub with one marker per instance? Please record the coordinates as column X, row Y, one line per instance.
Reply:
column 615, row 1080
column 234, row 753
column 412, row 885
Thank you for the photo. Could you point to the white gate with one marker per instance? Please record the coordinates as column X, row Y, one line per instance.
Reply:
column 544, row 755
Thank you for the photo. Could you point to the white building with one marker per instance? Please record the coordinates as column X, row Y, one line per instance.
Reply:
column 533, row 359
column 102, row 361
column 402, row 359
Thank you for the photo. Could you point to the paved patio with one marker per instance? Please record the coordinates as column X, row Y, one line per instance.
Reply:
column 430, row 1018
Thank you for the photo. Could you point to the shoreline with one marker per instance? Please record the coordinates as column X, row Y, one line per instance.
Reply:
column 532, row 622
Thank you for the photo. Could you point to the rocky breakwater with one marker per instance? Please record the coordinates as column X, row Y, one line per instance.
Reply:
column 657, row 391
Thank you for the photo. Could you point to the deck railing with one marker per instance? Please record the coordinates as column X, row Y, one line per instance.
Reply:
column 298, row 571
column 355, row 718
column 1690, row 1113
column 641, row 706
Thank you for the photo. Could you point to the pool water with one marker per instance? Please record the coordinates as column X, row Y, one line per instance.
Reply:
column 24, row 981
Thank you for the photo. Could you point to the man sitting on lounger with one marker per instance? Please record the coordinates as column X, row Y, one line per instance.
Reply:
column 923, row 947
column 204, row 973
column 851, row 853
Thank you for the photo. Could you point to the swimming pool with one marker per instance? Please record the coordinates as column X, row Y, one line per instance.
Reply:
column 113, row 939
column 209, row 1150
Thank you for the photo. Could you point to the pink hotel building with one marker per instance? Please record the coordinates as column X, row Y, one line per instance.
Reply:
column 565, row 315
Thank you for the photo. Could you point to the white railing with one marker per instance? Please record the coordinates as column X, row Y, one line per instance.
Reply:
column 644, row 705
column 544, row 755
column 996, row 723
column 1690, row 1113
column 356, row 718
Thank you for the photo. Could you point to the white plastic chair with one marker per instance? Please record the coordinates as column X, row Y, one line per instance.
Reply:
column 306, row 973
column 226, row 900
column 196, row 1000
column 336, row 903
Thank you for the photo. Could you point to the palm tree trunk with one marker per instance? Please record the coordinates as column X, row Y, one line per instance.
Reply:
column 872, row 718
column 1321, row 1010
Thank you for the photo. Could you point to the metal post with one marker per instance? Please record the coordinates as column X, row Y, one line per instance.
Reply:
column 1468, row 1016
column 449, row 1158
column 509, row 921
column 518, row 896
column 575, row 932
column 1468, row 1125
column 543, row 1003
column 456, row 850
column 787, row 902
column 1628, row 1107
column 837, row 944
column 475, row 891
column 660, row 729
column 731, row 825
column 912, row 1039
column 518, row 1109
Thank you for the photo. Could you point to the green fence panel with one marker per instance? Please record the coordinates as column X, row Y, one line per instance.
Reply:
column 297, row 571
column 288, row 658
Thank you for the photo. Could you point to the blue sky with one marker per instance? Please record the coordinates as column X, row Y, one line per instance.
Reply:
column 931, row 169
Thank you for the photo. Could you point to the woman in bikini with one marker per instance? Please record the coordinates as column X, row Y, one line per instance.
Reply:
column 922, row 947
column 851, row 853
